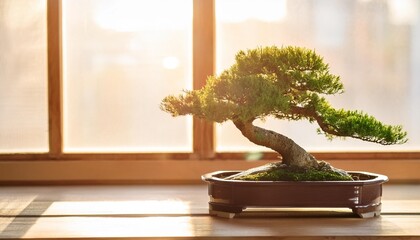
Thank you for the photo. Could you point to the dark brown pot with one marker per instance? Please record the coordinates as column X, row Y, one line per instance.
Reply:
column 228, row 197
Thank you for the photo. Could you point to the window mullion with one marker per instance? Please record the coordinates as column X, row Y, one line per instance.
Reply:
column 54, row 78
column 203, row 66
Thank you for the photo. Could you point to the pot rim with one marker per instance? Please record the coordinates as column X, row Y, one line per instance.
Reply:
column 213, row 178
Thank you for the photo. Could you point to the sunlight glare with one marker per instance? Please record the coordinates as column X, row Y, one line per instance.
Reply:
column 403, row 11
column 119, row 207
column 137, row 15
column 170, row 63
column 111, row 227
column 151, row 219
column 235, row 11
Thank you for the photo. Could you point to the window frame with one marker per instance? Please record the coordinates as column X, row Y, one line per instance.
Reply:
column 204, row 157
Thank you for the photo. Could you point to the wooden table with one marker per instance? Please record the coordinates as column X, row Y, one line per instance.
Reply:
column 180, row 211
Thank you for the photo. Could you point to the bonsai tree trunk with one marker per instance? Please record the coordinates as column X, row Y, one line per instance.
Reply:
column 293, row 156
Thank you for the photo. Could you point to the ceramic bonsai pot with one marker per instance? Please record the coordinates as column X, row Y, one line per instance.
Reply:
column 230, row 197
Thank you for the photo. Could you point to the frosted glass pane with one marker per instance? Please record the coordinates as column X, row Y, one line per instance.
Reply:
column 120, row 59
column 23, row 76
column 373, row 45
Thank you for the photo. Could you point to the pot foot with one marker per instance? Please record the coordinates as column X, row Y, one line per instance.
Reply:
column 369, row 214
column 222, row 214
column 225, row 211
column 368, row 211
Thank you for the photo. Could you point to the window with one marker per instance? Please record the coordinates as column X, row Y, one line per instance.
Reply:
column 23, row 77
column 373, row 45
column 120, row 59
column 105, row 66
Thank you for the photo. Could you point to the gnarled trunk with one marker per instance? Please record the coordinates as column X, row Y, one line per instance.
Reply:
column 292, row 154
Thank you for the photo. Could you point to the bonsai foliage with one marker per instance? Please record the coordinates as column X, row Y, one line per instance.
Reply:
column 288, row 83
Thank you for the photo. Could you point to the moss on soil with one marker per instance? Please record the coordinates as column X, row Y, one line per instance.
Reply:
column 288, row 174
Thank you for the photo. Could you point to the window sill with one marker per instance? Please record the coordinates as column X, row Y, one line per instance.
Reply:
column 169, row 171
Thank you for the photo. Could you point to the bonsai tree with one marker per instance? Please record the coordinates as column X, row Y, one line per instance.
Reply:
column 287, row 83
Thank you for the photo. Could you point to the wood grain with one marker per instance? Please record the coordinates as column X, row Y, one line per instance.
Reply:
column 209, row 227
column 169, row 212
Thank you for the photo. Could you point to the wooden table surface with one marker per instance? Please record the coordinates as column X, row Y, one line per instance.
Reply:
column 181, row 211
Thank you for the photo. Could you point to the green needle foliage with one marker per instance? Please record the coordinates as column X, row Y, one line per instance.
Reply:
column 286, row 83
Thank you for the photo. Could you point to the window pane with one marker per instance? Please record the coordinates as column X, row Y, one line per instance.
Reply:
column 373, row 45
column 121, row 58
column 23, row 76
